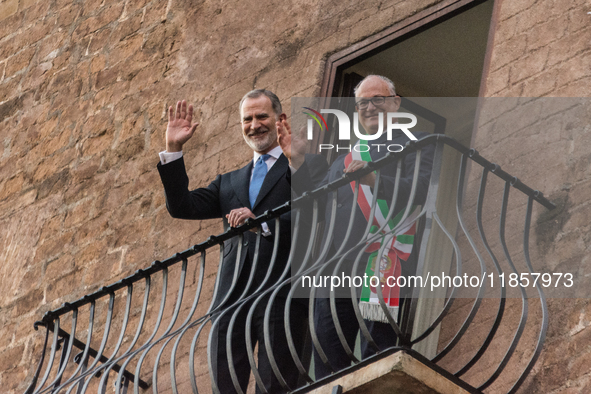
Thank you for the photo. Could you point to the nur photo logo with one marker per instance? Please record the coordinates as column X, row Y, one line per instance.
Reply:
column 344, row 129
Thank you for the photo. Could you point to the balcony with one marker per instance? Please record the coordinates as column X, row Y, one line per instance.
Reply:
column 151, row 330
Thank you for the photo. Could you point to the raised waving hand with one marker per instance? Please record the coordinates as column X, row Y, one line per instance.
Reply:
column 179, row 129
column 293, row 145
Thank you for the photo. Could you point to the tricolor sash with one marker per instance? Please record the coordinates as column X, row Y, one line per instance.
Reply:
column 398, row 248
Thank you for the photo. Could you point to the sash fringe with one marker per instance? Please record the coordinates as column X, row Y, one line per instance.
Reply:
column 374, row 312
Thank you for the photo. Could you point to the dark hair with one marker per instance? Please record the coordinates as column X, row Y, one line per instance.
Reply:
column 260, row 92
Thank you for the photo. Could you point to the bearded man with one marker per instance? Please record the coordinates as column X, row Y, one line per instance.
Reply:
column 261, row 185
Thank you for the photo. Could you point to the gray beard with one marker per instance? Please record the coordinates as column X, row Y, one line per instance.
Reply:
column 259, row 146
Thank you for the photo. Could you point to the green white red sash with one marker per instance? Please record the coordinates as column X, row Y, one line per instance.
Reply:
column 397, row 250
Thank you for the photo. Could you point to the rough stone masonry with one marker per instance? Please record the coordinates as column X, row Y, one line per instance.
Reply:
column 83, row 89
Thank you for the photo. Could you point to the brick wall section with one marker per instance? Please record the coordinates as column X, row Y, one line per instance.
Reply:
column 83, row 90
column 541, row 49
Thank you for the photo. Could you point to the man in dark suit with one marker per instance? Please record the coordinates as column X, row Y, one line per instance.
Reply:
column 375, row 95
column 263, row 184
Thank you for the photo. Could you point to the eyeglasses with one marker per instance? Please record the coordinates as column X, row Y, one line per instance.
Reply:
column 377, row 101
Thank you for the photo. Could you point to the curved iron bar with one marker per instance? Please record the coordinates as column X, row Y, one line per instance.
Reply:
column 431, row 211
column 333, row 307
column 242, row 301
column 132, row 354
column 214, row 324
column 524, row 303
column 107, row 366
column 89, row 371
column 98, row 357
column 273, row 261
column 392, row 233
column 295, row 236
column 65, row 353
column 285, row 280
column 186, row 324
column 544, row 306
column 376, row 237
column 233, row 375
column 363, row 327
column 175, row 316
column 448, row 304
column 312, row 327
column 238, row 308
column 193, row 324
column 477, row 301
column 147, row 346
column 193, row 377
column 430, row 208
column 33, row 384
column 266, row 328
column 287, row 308
column 56, row 327
column 500, row 312
column 162, row 337
column 362, row 242
column 234, row 277
column 142, row 318
column 300, row 276
column 81, row 377
column 84, row 358
column 203, row 320
column 210, row 314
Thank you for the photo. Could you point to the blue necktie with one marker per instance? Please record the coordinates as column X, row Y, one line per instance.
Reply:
column 258, row 176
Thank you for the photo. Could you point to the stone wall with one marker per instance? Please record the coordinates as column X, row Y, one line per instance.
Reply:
column 541, row 49
column 84, row 86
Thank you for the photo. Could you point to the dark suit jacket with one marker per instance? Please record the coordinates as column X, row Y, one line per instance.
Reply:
column 301, row 181
column 227, row 192
column 230, row 191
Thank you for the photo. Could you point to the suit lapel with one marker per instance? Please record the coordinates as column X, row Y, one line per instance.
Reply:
column 275, row 173
column 240, row 183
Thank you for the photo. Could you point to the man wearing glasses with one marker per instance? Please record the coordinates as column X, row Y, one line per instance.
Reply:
column 375, row 97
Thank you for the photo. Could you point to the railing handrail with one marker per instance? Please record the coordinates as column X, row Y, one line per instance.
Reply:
column 411, row 147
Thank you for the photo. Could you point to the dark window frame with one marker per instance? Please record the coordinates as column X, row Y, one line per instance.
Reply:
column 412, row 25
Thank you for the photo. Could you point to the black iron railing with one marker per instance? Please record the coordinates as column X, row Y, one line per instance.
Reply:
column 156, row 340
